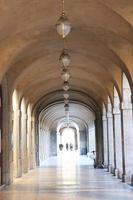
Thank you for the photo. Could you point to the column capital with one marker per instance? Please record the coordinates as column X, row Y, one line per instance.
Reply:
column 19, row 113
column 32, row 119
column 9, row 108
column 126, row 105
column 24, row 116
column 104, row 118
column 116, row 110
column 109, row 115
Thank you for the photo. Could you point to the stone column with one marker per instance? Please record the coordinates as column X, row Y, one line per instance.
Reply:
column 24, row 143
column 123, row 145
column 42, row 146
column 99, row 140
column 105, row 141
column 20, row 145
column 16, row 145
column 92, row 142
column 53, row 143
column 7, row 161
column 76, row 140
column 111, row 141
column 128, row 139
column 7, row 146
column 33, row 152
column 58, row 142
column 37, row 144
column 118, row 141
column 114, row 144
column 29, row 142
column 87, row 139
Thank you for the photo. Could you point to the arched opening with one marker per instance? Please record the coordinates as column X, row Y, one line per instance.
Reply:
column 110, row 136
column 57, row 139
column 68, row 139
column 23, row 137
column 117, row 135
column 128, row 127
column 68, row 145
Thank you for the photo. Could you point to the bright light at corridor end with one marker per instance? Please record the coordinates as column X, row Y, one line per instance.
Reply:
column 68, row 136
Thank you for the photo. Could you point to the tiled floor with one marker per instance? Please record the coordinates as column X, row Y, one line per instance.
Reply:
column 67, row 179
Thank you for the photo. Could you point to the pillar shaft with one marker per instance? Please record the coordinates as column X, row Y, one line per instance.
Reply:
column 24, row 143
column 123, row 148
column 105, row 139
column 111, row 141
column 114, row 142
column 118, row 141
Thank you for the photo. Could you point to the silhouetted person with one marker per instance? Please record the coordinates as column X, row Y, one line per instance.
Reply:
column 94, row 158
column 61, row 147
column 71, row 146
column 67, row 146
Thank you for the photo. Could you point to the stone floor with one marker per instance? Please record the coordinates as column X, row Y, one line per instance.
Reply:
column 67, row 179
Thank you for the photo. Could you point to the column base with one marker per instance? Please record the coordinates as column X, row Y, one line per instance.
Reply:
column 2, row 187
column 117, row 174
column 123, row 178
column 107, row 168
column 111, row 169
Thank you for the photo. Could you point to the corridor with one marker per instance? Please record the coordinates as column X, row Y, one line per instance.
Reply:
column 72, row 181
column 66, row 99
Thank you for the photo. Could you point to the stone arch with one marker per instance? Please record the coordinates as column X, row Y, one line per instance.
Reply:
column 127, row 126
column 117, row 135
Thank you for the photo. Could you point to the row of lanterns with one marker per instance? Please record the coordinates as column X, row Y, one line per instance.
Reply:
column 63, row 27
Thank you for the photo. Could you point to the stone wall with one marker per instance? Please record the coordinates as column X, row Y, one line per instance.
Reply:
column 92, row 144
column 53, row 143
column 44, row 146
column 83, row 142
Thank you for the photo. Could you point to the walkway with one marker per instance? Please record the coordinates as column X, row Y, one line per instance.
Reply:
column 67, row 182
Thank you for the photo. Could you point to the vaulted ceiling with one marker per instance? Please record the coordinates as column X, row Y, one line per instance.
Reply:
column 50, row 117
column 100, row 44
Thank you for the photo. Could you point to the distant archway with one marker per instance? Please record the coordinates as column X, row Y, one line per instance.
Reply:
column 68, row 136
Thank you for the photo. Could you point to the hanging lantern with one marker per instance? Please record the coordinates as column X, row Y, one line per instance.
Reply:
column 66, row 95
column 66, row 106
column 66, row 101
column 65, row 75
column 66, row 86
column 63, row 26
column 67, row 116
column 65, row 58
column 67, row 113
